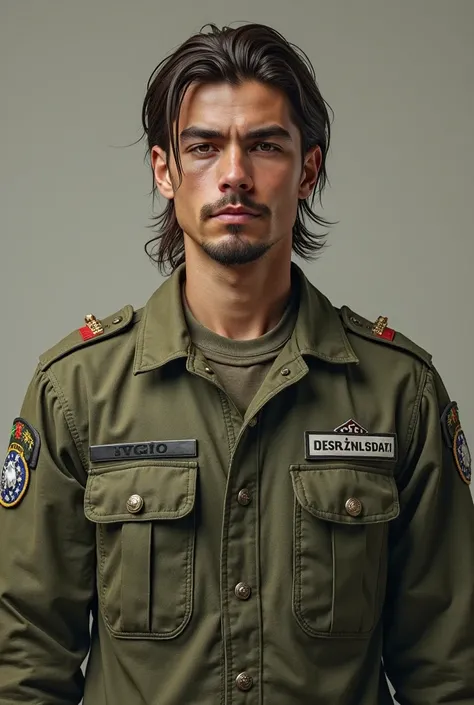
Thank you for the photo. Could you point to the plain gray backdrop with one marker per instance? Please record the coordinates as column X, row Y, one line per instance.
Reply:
column 75, row 204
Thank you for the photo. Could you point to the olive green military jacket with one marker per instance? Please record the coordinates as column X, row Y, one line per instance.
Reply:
column 293, row 556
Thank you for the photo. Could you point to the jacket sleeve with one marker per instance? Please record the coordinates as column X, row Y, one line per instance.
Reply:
column 47, row 563
column 429, row 610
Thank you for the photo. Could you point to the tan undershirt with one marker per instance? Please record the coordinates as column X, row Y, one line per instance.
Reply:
column 242, row 365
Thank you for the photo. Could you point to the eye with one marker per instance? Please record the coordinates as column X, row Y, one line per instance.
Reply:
column 197, row 149
column 205, row 148
column 268, row 147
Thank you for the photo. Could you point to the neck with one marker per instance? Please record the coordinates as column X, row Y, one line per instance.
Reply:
column 241, row 302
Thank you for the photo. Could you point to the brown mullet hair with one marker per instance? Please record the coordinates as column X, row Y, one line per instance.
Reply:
column 251, row 52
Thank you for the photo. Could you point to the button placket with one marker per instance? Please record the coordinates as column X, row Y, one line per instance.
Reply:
column 242, row 618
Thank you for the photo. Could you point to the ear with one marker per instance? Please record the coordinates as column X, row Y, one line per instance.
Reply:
column 311, row 167
column 161, row 172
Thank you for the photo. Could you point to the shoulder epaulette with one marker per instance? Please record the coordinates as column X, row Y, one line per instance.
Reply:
column 93, row 331
column 381, row 333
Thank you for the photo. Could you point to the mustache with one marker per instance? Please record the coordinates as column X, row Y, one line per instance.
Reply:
column 208, row 210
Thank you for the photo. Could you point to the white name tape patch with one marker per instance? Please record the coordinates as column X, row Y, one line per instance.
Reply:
column 379, row 446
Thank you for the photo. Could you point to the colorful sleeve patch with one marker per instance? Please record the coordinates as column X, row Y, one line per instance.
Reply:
column 22, row 456
column 456, row 440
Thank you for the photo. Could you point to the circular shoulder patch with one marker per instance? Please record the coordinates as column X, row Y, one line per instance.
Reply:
column 462, row 455
column 14, row 478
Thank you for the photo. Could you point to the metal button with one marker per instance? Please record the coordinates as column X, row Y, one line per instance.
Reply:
column 244, row 497
column 243, row 591
column 244, row 681
column 253, row 421
column 135, row 504
column 353, row 507
column 119, row 319
column 209, row 370
column 359, row 323
column 285, row 371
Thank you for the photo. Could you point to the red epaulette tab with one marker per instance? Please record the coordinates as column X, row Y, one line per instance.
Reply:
column 380, row 329
column 92, row 329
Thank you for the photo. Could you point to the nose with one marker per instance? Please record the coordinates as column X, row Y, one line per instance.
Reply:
column 235, row 171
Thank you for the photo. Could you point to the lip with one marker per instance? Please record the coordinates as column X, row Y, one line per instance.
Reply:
column 235, row 215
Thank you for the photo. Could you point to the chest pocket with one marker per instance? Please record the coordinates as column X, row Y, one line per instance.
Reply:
column 145, row 516
column 340, row 532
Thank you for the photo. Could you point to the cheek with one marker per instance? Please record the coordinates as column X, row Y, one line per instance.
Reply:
column 195, row 185
column 279, row 177
column 281, row 186
column 284, row 190
column 194, row 192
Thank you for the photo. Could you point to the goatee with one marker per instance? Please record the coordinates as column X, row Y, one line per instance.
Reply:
column 235, row 251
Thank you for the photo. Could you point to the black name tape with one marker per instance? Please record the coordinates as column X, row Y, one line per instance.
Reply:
column 145, row 450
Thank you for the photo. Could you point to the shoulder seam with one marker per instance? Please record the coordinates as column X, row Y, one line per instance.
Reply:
column 415, row 415
column 68, row 416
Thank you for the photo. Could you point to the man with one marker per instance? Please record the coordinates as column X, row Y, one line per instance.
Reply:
column 261, row 499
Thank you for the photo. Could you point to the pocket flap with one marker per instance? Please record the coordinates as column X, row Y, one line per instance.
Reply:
column 161, row 492
column 324, row 492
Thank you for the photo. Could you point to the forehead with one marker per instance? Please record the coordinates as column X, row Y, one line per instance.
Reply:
column 223, row 105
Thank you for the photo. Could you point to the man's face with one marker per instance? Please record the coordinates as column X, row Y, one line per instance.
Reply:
column 239, row 149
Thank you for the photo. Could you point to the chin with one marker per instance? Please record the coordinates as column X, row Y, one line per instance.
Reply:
column 235, row 251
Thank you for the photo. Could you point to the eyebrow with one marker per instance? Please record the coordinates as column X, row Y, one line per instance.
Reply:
column 260, row 133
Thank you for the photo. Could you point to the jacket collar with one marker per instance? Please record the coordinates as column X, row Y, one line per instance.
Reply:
column 163, row 335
